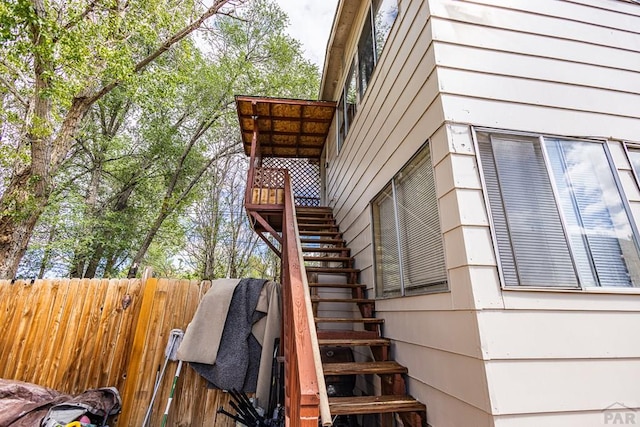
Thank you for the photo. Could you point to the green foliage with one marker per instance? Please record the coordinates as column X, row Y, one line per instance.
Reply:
column 131, row 167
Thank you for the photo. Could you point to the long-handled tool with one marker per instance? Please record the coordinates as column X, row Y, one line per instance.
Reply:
column 170, row 352
column 173, row 389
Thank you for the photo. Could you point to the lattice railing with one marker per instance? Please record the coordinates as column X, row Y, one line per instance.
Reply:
column 268, row 186
column 305, row 177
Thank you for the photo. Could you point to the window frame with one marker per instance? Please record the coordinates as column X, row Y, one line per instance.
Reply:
column 634, row 146
column 354, row 65
column 436, row 288
column 616, row 177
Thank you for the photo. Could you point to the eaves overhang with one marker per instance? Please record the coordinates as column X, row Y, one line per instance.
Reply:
column 286, row 127
column 334, row 62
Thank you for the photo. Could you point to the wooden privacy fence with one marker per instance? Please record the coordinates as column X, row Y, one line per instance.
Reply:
column 73, row 335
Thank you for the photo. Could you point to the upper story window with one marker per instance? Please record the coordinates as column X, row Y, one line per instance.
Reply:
column 559, row 217
column 409, row 250
column 380, row 19
column 634, row 157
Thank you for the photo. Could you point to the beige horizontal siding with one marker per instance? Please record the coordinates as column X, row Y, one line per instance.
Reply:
column 561, row 68
column 391, row 109
column 562, row 385
column 558, row 67
column 556, row 419
column 555, row 334
column 460, row 377
column 540, row 93
column 448, row 331
column 532, row 21
column 443, row 410
column 536, row 68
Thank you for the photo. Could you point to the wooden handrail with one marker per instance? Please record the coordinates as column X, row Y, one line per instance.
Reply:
column 305, row 390
column 306, row 398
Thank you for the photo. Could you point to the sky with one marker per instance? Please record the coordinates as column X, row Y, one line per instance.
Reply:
column 310, row 23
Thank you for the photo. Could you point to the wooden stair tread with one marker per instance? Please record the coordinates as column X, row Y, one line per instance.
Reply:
column 374, row 404
column 312, row 226
column 324, row 249
column 348, row 320
column 323, row 241
column 341, row 334
column 315, row 225
column 364, row 368
column 355, row 342
column 328, row 258
column 345, row 300
column 337, row 285
column 319, row 233
column 335, row 270
column 314, row 209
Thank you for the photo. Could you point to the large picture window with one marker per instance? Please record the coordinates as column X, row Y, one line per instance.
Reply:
column 409, row 252
column 559, row 217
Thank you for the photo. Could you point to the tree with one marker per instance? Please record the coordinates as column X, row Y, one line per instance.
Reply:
column 57, row 60
column 158, row 156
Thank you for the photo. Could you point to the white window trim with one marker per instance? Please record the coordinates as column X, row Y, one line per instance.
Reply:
column 426, row 290
column 581, row 289
column 634, row 145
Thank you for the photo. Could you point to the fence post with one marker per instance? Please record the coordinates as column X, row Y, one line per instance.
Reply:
column 137, row 349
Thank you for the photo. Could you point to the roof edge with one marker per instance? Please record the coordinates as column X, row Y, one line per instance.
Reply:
column 333, row 59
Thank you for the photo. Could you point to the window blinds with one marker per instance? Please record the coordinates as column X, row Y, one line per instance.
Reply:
column 407, row 234
column 420, row 235
column 558, row 215
column 387, row 255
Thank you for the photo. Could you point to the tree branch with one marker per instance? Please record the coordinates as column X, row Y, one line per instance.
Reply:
column 14, row 92
column 141, row 65
column 83, row 15
column 225, row 151
column 81, row 104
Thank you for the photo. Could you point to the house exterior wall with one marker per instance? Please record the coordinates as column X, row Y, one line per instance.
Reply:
column 559, row 68
column 435, row 336
column 479, row 355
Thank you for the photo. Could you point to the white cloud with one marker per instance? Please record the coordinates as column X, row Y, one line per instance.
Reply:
column 310, row 23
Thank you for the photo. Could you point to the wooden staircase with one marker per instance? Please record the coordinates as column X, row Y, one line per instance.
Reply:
column 326, row 256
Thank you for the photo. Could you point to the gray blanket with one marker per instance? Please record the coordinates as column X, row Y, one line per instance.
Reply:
column 238, row 359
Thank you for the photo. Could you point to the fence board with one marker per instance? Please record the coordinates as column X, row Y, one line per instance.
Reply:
column 20, row 348
column 37, row 335
column 93, row 327
column 15, row 311
column 72, row 335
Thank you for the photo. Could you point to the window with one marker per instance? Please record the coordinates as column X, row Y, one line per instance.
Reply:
column 341, row 123
column 634, row 157
column 347, row 106
column 380, row 18
column 366, row 56
column 385, row 12
column 559, row 218
column 409, row 252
